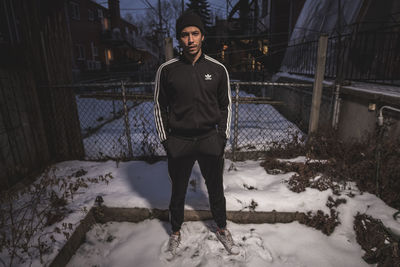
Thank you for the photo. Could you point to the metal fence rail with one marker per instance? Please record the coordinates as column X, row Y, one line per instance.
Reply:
column 359, row 56
column 116, row 119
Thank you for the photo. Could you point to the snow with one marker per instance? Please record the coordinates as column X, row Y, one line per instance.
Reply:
column 370, row 88
column 116, row 244
column 139, row 184
column 300, row 78
column 144, row 185
column 377, row 89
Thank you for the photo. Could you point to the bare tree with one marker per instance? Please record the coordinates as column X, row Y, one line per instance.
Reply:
column 147, row 23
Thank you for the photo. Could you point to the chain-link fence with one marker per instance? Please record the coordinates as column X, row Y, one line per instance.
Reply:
column 256, row 122
column 116, row 120
column 298, row 101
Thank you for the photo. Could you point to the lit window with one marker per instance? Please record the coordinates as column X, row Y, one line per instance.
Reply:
column 75, row 14
column 265, row 49
column 109, row 54
column 106, row 24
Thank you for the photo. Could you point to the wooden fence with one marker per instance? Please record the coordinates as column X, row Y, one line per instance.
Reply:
column 23, row 142
column 38, row 125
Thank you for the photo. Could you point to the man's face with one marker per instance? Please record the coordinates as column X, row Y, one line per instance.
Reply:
column 190, row 40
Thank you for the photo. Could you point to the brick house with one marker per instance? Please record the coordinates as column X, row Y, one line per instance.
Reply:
column 103, row 41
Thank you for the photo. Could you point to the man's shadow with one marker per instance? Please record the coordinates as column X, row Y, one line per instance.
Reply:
column 152, row 184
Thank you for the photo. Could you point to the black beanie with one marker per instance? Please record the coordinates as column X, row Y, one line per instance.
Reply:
column 188, row 18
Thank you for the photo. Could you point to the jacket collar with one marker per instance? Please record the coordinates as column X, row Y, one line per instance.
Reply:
column 184, row 59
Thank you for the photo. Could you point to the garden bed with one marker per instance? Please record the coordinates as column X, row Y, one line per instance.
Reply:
column 103, row 214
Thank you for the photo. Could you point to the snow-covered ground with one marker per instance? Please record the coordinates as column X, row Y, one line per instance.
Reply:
column 279, row 245
column 139, row 184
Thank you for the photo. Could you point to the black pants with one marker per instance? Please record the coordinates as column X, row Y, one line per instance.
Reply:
column 182, row 154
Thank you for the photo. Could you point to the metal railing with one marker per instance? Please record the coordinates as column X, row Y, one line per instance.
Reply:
column 372, row 56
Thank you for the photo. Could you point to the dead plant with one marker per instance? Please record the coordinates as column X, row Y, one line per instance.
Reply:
column 28, row 215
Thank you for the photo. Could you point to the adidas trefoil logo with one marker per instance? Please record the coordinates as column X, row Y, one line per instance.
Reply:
column 208, row 77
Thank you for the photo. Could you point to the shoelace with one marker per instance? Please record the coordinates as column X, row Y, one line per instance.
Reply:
column 173, row 242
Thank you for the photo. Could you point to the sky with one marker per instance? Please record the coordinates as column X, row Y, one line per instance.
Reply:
column 139, row 6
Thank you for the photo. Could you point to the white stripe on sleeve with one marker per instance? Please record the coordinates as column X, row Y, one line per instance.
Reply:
column 157, row 111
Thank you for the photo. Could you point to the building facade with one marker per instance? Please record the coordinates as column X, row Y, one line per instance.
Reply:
column 104, row 42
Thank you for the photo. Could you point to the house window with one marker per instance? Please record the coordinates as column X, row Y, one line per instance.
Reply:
column 95, row 51
column 80, row 52
column 109, row 56
column 105, row 23
column 90, row 15
column 100, row 13
column 75, row 14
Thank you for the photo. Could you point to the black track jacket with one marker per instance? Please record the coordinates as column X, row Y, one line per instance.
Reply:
column 192, row 100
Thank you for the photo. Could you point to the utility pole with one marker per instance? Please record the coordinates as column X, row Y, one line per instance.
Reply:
column 159, row 16
column 183, row 6
column 168, row 44
column 169, row 50
column 339, row 43
column 160, row 37
column 227, row 6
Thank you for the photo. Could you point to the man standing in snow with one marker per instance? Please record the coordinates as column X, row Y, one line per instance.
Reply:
column 192, row 111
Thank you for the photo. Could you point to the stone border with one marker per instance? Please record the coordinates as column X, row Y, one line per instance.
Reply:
column 105, row 214
column 75, row 241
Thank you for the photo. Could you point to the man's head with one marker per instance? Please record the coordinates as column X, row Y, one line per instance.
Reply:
column 190, row 33
column 188, row 18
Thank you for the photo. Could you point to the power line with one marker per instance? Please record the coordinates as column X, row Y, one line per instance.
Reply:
column 155, row 11
column 134, row 9
column 265, row 35
column 145, row 2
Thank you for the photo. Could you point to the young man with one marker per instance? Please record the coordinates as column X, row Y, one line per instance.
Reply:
column 192, row 110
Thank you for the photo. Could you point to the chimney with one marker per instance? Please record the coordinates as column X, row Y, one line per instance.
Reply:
column 113, row 6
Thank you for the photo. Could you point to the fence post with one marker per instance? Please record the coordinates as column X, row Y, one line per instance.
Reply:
column 318, row 80
column 169, row 51
column 126, row 117
column 236, row 122
column 113, row 104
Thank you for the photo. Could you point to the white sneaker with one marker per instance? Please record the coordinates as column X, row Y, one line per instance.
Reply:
column 173, row 243
column 225, row 237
